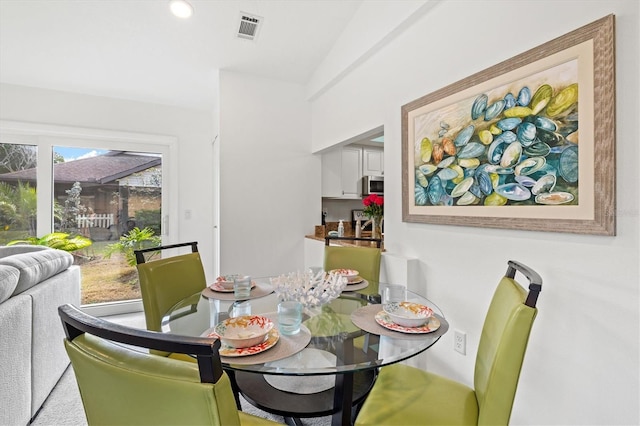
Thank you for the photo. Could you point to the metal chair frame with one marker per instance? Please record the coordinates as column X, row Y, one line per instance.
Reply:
column 140, row 253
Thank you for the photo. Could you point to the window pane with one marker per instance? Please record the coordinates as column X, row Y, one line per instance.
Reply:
column 18, row 198
column 112, row 198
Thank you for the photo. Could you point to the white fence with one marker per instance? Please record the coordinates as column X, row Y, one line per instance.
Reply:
column 95, row 221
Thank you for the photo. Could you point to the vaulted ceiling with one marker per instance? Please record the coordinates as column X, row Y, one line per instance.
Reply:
column 136, row 49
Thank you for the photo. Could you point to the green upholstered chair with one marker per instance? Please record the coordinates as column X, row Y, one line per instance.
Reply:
column 123, row 384
column 166, row 281
column 363, row 259
column 367, row 262
column 406, row 395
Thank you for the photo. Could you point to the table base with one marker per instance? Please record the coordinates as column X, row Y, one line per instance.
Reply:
column 259, row 393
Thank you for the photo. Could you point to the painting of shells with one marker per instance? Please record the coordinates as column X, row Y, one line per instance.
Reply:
column 527, row 146
column 516, row 145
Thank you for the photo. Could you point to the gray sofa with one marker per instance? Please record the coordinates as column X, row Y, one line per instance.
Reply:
column 34, row 281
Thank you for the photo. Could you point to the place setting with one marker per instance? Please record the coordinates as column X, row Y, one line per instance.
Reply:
column 354, row 281
column 397, row 319
column 256, row 339
column 237, row 287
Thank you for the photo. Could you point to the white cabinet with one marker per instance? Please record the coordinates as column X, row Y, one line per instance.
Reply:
column 341, row 173
column 372, row 162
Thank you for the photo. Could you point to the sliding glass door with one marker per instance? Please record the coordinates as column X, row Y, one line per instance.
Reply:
column 108, row 192
column 113, row 198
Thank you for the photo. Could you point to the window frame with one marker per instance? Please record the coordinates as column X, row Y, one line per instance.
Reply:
column 47, row 136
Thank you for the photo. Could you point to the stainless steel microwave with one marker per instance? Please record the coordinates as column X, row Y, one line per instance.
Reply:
column 372, row 185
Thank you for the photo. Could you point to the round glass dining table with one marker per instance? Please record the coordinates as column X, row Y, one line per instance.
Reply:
column 328, row 367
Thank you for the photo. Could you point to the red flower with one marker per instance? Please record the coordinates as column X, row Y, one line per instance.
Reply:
column 374, row 206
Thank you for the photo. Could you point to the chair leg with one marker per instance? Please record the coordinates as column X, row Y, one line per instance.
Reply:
column 292, row 421
column 234, row 388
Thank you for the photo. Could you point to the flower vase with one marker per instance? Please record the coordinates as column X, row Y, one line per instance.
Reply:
column 376, row 227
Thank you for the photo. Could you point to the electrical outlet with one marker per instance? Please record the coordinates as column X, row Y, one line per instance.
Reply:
column 460, row 342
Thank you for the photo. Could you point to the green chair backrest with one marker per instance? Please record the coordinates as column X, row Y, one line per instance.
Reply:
column 501, row 350
column 123, row 386
column 363, row 259
column 165, row 282
column 122, row 383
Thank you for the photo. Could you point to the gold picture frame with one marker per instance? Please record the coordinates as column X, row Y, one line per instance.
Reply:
column 514, row 146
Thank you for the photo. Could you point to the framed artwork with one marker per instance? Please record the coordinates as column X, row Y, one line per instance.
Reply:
column 526, row 144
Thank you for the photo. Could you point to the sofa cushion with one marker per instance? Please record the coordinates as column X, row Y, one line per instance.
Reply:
column 20, row 248
column 37, row 266
column 8, row 281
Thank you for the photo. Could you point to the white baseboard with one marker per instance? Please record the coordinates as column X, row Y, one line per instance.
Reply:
column 113, row 308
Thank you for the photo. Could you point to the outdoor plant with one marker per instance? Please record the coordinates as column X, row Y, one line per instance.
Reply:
column 56, row 240
column 18, row 207
column 135, row 239
column 72, row 207
column 149, row 219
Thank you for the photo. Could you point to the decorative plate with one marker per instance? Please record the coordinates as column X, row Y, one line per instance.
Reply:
column 408, row 314
column 355, row 280
column 348, row 273
column 219, row 288
column 244, row 331
column 384, row 320
column 272, row 339
column 227, row 280
column 355, row 287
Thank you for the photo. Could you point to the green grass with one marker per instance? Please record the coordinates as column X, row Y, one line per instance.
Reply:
column 107, row 280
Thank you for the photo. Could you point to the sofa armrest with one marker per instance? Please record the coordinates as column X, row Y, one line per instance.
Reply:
column 37, row 266
column 8, row 281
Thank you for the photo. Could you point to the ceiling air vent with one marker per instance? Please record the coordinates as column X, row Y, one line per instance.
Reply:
column 249, row 26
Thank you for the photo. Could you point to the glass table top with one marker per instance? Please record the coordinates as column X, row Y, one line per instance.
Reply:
column 350, row 331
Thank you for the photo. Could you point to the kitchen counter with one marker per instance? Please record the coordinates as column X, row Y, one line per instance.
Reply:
column 371, row 244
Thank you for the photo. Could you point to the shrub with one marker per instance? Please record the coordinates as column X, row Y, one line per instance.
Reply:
column 135, row 239
column 56, row 240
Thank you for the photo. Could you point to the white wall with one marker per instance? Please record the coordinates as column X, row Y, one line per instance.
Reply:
column 262, row 186
column 269, row 181
column 582, row 361
column 193, row 128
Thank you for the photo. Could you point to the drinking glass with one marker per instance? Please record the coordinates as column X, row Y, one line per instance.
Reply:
column 394, row 293
column 240, row 308
column 289, row 317
column 242, row 287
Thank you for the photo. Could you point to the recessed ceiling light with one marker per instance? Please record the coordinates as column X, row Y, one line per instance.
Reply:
column 181, row 8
